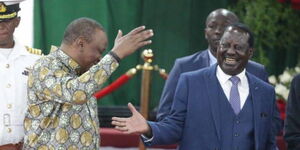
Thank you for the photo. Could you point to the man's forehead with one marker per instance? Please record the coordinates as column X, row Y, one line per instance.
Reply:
column 217, row 20
column 236, row 35
column 224, row 17
column 230, row 29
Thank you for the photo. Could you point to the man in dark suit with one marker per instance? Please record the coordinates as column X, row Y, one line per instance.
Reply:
column 292, row 123
column 215, row 25
column 218, row 107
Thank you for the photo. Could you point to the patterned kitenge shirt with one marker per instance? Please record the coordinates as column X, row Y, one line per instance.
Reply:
column 62, row 112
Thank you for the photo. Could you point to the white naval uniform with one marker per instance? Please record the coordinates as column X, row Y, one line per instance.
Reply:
column 13, row 93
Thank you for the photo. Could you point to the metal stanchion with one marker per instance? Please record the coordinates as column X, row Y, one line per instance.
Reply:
column 147, row 69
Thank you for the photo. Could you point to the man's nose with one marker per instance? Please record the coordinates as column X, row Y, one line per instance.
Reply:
column 231, row 51
column 219, row 30
column 99, row 56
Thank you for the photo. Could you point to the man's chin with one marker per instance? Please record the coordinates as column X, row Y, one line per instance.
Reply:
column 229, row 69
column 3, row 43
column 213, row 51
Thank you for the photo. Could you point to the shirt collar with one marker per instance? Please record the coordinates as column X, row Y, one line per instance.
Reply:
column 67, row 60
column 223, row 77
column 212, row 58
column 19, row 49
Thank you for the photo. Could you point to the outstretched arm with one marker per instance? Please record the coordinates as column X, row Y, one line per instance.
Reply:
column 167, row 131
column 134, row 124
column 59, row 85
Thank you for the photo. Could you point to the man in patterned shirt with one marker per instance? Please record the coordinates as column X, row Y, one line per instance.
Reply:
column 62, row 112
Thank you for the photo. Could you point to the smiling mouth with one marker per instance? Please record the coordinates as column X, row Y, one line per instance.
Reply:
column 216, row 41
column 230, row 61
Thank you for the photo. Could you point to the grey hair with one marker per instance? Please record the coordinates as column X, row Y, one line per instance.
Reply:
column 84, row 27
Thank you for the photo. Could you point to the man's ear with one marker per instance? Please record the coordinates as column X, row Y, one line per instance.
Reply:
column 205, row 33
column 80, row 42
column 17, row 21
column 251, row 52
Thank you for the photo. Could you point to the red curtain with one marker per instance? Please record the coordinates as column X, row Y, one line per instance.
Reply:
column 295, row 3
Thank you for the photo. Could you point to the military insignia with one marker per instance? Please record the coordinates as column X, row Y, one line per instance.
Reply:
column 53, row 48
column 2, row 7
column 6, row 119
column 26, row 71
column 34, row 50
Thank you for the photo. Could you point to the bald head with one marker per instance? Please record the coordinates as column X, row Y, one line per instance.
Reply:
column 216, row 23
column 231, row 17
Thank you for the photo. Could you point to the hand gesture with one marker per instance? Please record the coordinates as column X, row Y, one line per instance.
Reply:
column 129, row 43
column 134, row 124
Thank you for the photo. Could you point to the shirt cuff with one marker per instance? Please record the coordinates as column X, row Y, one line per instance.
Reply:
column 145, row 139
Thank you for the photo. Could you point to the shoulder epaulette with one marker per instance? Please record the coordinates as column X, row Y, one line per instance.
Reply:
column 34, row 51
column 53, row 48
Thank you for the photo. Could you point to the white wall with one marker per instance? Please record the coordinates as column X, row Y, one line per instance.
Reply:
column 24, row 33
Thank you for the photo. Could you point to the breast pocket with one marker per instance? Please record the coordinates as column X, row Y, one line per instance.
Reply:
column 22, row 74
column 21, row 87
column 17, row 119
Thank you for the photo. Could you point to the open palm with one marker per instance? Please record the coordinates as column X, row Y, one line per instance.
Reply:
column 134, row 124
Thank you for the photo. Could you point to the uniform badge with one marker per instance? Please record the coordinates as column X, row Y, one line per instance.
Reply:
column 2, row 7
column 6, row 120
column 26, row 71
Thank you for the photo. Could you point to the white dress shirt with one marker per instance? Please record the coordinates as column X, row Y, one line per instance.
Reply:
column 13, row 92
column 212, row 58
column 243, row 86
column 5, row 52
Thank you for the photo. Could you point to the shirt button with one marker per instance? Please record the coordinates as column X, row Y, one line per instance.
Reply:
column 8, row 85
column 236, row 134
column 9, row 130
column 237, row 121
column 7, row 66
column 9, row 106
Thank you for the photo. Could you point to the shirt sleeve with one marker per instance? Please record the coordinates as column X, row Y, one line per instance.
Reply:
column 146, row 140
column 49, row 80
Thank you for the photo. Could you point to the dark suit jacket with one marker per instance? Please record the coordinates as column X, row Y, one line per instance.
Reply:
column 194, row 62
column 194, row 121
column 292, row 123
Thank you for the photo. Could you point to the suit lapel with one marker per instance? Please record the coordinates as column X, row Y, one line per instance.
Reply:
column 203, row 59
column 212, row 89
column 256, row 99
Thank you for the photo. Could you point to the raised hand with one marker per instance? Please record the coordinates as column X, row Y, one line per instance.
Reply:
column 134, row 124
column 129, row 43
